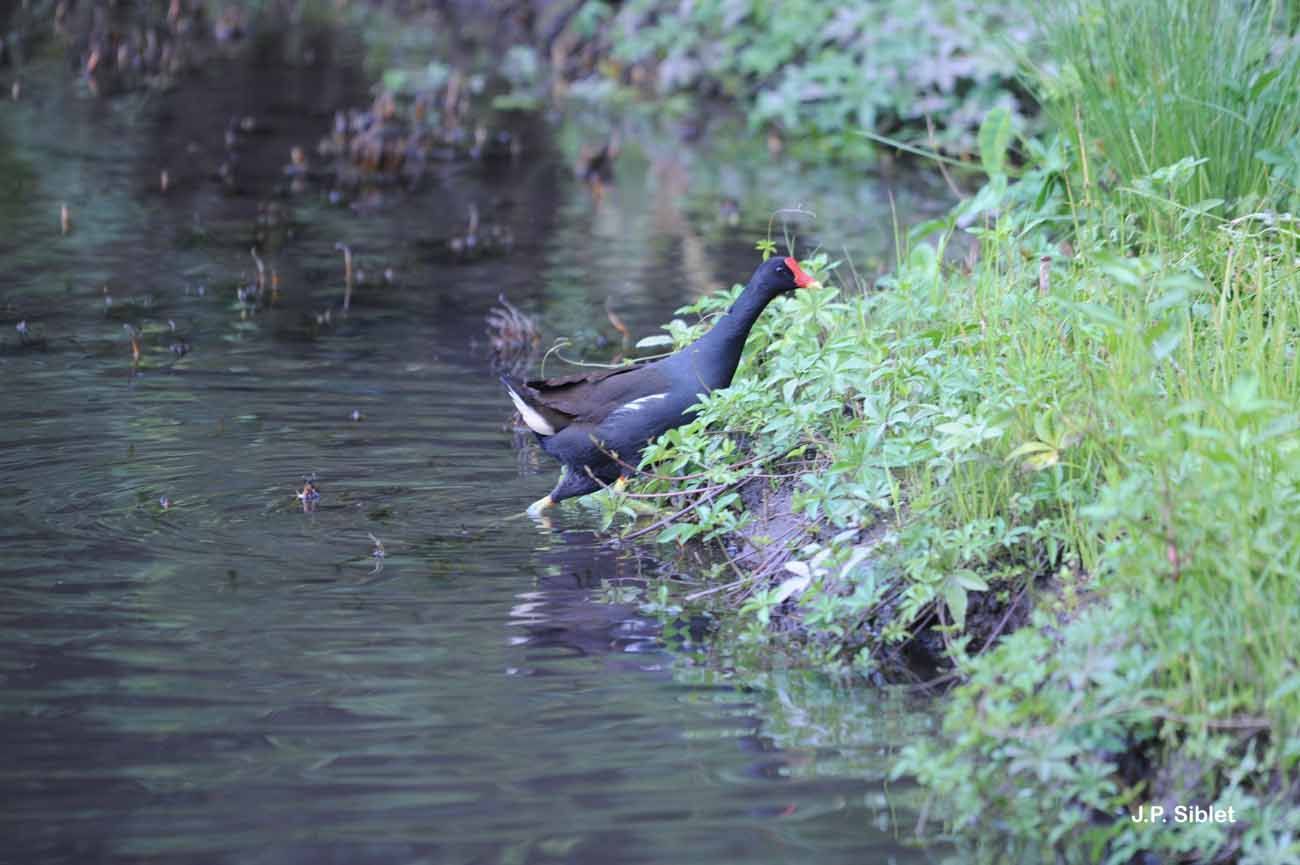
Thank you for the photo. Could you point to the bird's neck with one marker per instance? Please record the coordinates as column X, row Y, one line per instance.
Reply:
column 723, row 344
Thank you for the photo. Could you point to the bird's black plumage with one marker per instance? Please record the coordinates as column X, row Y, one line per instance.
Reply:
column 597, row 424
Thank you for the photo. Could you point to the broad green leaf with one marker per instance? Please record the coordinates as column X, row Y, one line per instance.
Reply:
column 1121, row 270
column 1029, row 448
column 955, row 597
column 994, row 138
column 798, row 568
column 790, row 587
column 1288, row 687
column 1045, row 460
column 656, row 341
column 1262, row 81
column 1100, row 314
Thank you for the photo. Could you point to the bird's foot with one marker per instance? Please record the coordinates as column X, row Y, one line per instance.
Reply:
column 537, row 513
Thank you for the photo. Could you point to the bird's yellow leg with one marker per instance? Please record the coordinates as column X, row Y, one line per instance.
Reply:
column 536, row 508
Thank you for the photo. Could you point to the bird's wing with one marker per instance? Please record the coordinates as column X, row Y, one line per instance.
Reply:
column 593, row 397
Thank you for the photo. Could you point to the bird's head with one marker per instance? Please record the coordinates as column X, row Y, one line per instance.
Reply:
column 778, row 275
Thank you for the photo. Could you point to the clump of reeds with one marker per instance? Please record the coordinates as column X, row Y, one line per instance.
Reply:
column 1146, row 83
column 513, row 336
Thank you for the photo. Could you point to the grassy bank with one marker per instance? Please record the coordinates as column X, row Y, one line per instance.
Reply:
column 1077, row 394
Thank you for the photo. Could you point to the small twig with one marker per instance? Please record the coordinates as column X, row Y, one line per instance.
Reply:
column 1083, row 154
column 261, row 270
column 1158, row 711
column 561, row 343
column 671, row 493
column 780, row 210
column 377, row 554
column 677, row 478
column 929, row 684
column 943, row 169
column 585, row 363
column 857, row 279
column 134, row 336
column 782, row 476
column 725, row 587
column 1015, row 602
column 1167, row 524
column 616, row 321
column 676, row 515
column 347, row 272
column 915, row 151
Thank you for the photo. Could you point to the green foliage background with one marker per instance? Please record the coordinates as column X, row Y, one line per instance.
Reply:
column 1080, row 385
column 821, row 72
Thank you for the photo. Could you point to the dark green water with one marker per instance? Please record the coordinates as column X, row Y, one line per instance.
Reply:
column 230, row 679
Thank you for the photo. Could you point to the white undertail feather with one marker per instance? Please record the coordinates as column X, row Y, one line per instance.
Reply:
column 532, row 417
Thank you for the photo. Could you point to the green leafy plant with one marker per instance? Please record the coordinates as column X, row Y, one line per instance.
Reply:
column 817, row 71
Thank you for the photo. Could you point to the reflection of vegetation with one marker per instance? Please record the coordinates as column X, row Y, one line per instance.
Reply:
column 17, row 180
column 672, row 212
column 826, row 730
column 32, row 211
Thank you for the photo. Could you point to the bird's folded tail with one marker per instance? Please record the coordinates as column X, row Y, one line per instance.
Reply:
column 539, row 418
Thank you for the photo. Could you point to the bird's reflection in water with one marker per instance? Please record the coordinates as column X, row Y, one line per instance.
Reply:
column 563, row 611
column 577, row 647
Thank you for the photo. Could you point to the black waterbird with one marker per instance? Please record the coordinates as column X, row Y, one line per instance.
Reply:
column 597, row 424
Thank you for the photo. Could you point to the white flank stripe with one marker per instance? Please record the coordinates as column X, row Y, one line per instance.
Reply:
column 638, row 404
column 531, row 416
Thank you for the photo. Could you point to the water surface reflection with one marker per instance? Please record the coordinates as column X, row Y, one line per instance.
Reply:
column 194, row 670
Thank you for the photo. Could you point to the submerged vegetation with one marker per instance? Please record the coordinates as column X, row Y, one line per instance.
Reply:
column 1077, row 392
